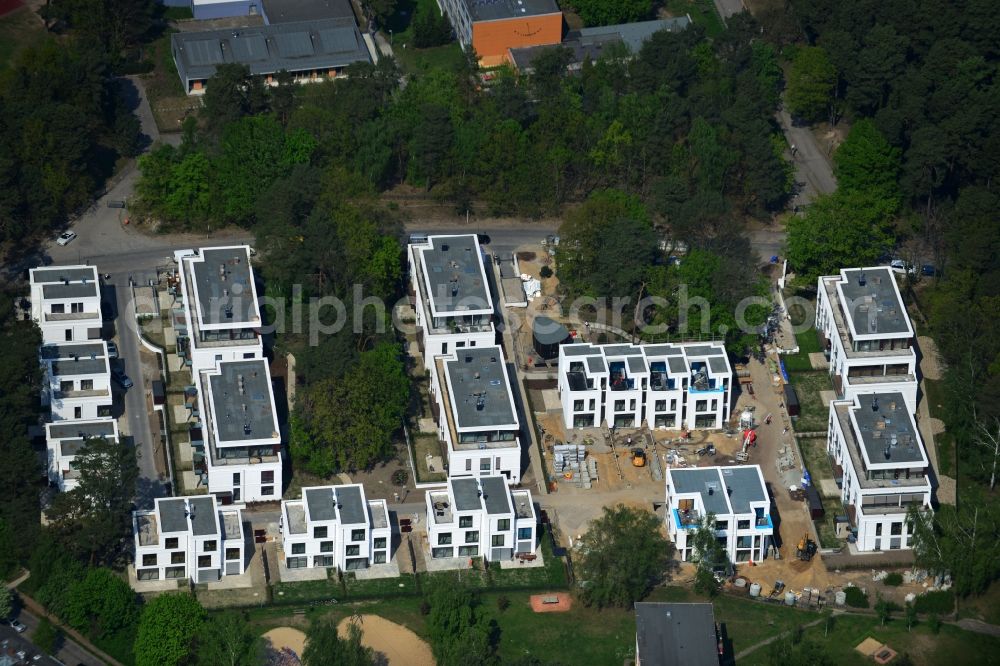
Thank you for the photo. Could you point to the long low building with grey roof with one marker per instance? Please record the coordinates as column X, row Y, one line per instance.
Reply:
column 473, row 401
column 65, row 439
column 881, row 467
column 451, row 293
column 335, row 527
column 194, row 539
column 310, row 51
column 733, row 500
column 671, row 386
column 480, row 517
column 66, row 303
column 867, row 334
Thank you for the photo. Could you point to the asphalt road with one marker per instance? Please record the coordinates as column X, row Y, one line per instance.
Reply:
column 68, row 652
column 813, row 172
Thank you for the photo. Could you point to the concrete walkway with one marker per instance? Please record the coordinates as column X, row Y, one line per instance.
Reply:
column 930, row 368
column 977, row 626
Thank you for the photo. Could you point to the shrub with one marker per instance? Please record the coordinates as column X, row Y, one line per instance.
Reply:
column 934, row 623
column 941, row 602
column 894, row 579
column 503, row 603
column 856, row 598
column 425, row 608
column 545, row 272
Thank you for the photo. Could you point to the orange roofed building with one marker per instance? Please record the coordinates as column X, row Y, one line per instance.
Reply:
column 493, row 27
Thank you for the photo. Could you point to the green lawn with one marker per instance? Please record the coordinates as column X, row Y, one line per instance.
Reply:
column 985, row 607
column 808, row 343
column 702, row 12
column 18, row 29
column 413, row 60
column 951, row 646
column 813, row 414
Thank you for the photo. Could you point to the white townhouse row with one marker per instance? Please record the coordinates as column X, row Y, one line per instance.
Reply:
column 867, row 334
column 193, row 538
column 66, row 303
column 236, row 437
column 65, row 439
column 480, row 517
column 76, row 380
column 881, row 466
column 674, row 386
column 739, row 501
column 452, row 300
column 473, row 403
column 335, row 526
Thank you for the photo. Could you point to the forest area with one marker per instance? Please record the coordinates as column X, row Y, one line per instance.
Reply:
column 917, row 83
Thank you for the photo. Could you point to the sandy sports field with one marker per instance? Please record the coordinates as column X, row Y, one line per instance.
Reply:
column 400, row 646
column 286, row 637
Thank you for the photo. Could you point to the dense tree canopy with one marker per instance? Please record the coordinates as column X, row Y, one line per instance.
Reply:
column 622, row 557
column 602, row 12
column 458, row 628
column 167, row 629
column 325, row 646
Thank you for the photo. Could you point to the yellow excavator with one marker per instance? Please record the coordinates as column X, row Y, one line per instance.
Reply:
column 638, row 458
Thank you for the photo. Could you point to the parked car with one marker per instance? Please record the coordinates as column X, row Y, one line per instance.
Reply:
column 902, row 267
column 121, row 378
column 17, row 626
column 116, row 204
column 929, row 270
column 66, row 237
column 112, row 350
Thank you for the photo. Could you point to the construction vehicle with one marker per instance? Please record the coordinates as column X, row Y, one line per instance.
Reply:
column 805, row 549
column 638, row 458
column 779, row 586
column 707, row 450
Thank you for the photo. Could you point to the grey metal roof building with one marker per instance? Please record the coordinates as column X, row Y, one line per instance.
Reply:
column 592, row 43
column 306, row 47
column 675, row 635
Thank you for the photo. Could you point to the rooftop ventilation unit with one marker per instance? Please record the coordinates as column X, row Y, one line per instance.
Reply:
column 862, row 280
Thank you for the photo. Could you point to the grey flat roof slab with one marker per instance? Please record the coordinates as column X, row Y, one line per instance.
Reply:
column 225, row 287
column 64, row 273
column 745, row 486
column 693, row 480
column 68, row 351
column 321, row 504
column 481, row 393
column 71, row 290
column 493, row 10
column 495, row 495
column 884, row 418
column 83, row 366
column 597, row 364
column 466, row 492
column 172, row 518
column 874, row 302
column 352, row 505
column 718, row 364
column 291, row 11
column 203, row 523
column 247, row 414
column 454, row 268
column 677, row 364
column 64, row 430
column 676, row 634
column 703, row 350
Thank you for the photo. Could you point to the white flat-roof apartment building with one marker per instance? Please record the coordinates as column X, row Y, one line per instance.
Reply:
column 672, row 386
column 473, row 402
column 241, row 441
column 65, row 439
column 191, row 538
column 738, row 498
column 452, row 300
column 335, row 526
column 66, row 303
column 77, row 380
column 221, row 319
column 880, row 465
column 867, row 334
column 480, row 518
